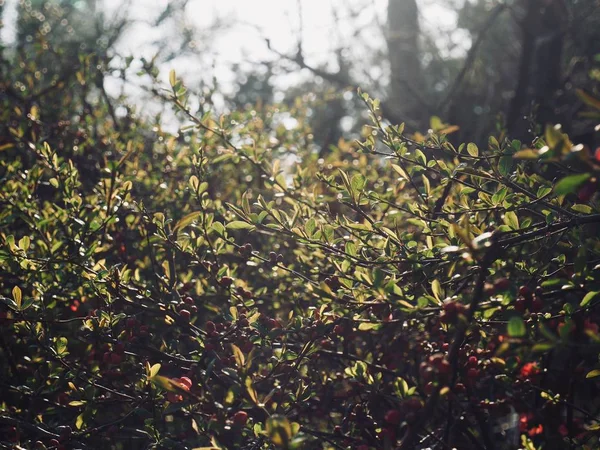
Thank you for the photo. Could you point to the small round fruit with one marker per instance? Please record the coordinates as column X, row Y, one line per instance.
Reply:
column 524, row 291
column 115, row 358
column 185, row 314
column 186, row 382
column 210, row 327
column 226, row 281
column 393, row 416
column 501, row 284
column 240, row 418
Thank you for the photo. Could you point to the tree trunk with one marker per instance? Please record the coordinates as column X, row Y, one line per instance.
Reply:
column 540, row 66
column 407, row 84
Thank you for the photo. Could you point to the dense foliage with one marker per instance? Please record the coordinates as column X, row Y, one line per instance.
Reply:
column 227, row 287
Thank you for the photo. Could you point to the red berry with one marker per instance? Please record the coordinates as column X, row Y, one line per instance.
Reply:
column 393, row 416
column 501, row 284
column 472, row 361
column 537, row 304
column 185, row 314
column 473, row 373
column 188, row 300
column 209, row 346
column 226, row 281
column 338, row 330
column 13, row 434
column 387, row 434
column 521, row 304
column 115, row 358
column 587, row 191
column 240, row 418
column 186, row 382
column 210, row 327
column 459, row 388
column 524, row 291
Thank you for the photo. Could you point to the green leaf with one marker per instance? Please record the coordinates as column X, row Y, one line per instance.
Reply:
column 400, row 171
column 542, row 347
column 436, row 288
column 218, row 227
column 61, row 346
column 527, row 153
column 279, row 430
column 24, row 243
column 194, row 182
column 238, row 355
column 186, row 220
column 570, row 184
column 79, row 421
column 473, row 149
column 351, row 248
column 516, row 327
column 511, row 219
column 168, row 384
column 584, row 209
column 358, row 182
column 239, row 225
column 16, row 293
column 310, row 227
column 505, row 165
column 154, row 370
column 593, row 374
column 588, row 298
column 367, row 326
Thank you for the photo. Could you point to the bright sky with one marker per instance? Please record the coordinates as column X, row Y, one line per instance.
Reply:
column 252, row 21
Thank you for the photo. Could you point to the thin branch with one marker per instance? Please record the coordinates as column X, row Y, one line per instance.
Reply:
column 470, row 59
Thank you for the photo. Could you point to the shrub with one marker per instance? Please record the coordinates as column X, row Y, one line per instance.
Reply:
column 200, row 289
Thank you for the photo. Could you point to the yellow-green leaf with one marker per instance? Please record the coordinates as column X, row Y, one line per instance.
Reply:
column 16, row 293
column 588, row 298
column 279, row 430
column 239, row 225
column 473, row 149
column 436, row 288
column 194, row 182
column 238, row 355
column 588, row 99
column 400, row 171
column 79, row 421
column 154, row 370
column 24, row 243
column 186, row 220
column 61, row 346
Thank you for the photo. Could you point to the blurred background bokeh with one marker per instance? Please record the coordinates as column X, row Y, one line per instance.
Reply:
column 482, row 65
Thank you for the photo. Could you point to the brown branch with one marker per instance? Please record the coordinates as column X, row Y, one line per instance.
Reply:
column 341, row 80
